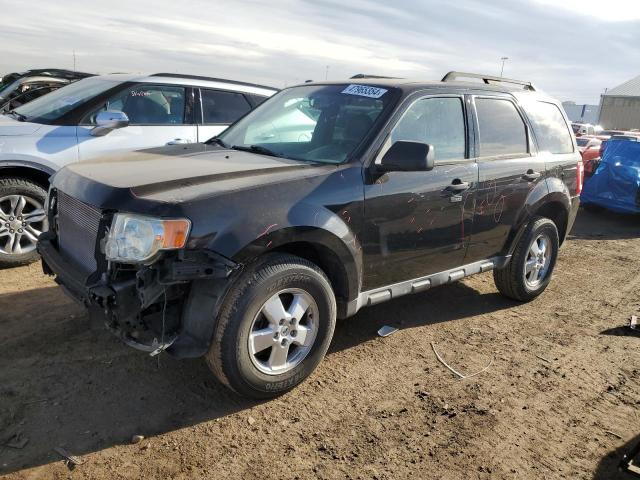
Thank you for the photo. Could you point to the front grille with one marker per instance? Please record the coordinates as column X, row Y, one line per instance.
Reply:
column 78, row 225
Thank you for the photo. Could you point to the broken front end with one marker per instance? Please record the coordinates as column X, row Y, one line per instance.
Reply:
column 134, row 274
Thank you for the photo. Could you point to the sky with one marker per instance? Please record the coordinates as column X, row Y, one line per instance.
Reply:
column 571, row 49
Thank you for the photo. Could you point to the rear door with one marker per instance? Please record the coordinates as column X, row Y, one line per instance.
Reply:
column 158, row 115
column 418, row 223
column 508, row 170
column 219, row 109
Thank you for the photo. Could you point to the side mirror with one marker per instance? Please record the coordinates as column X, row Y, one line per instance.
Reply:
column 109, row 120
column 406, row 156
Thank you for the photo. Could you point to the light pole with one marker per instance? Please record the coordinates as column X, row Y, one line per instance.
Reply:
column 504, row 59
column 326, row 73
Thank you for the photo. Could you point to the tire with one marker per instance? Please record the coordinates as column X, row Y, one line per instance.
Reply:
column 249, row 318
column 521, row 279
column 22, row 219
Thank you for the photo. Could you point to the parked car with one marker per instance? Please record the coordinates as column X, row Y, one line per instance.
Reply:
column 616, row 138
column 616, row 183
column 16, row 89
column 580, row 129
column 589, row 148
column 246, row 249
column 97, row 116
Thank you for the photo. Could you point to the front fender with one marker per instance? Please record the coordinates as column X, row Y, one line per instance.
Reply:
column 317, row 226
column 28, row 162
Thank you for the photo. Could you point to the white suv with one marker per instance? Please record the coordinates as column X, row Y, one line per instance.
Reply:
column 99, row 116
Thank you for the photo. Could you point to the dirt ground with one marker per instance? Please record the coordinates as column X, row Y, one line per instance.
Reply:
column 560, row 398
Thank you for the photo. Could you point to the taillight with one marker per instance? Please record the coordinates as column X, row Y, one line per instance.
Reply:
column 579, row 177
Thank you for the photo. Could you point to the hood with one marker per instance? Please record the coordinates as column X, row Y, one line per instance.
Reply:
column 177, row 174
column 10, row 127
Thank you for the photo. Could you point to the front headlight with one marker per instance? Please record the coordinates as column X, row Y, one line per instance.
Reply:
column 136, row 238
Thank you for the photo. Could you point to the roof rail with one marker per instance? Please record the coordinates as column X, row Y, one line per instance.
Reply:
column 211, row 79
column 488, row 79
column 366, row 75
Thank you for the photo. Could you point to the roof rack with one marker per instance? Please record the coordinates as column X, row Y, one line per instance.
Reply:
column 454, row 76
column 211, row 79
column 366, row 75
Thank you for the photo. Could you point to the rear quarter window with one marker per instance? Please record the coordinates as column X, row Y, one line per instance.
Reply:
column 549, row 126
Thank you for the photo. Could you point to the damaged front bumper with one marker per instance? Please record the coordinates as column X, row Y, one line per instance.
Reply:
column 149, row 307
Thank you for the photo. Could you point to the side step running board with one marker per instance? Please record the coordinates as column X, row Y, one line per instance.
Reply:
column 382, row 294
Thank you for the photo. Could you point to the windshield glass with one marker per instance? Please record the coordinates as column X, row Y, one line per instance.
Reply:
column 582, row 142
column 54, row 105
column 319, row 123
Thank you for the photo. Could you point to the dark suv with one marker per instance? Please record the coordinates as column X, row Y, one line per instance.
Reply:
column 327, row 198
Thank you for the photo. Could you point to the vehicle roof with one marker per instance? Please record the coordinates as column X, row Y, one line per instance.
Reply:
column 192, row 80
column 408, row 86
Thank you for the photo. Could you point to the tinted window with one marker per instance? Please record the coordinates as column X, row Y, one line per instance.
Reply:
column 223, row 107
column 549, row 126
column 502, row 131
column 436, row 121
column 583, row 142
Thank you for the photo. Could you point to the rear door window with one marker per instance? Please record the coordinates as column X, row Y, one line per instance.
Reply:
column 220, row 107
column 550, row 128
column 502, row 130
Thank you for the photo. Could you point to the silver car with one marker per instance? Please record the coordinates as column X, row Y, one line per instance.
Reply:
column 99, row 116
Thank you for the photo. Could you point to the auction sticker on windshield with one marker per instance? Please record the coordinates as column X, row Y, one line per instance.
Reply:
column 364, row 91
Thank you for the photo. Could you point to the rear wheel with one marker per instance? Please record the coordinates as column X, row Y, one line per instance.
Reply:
column 22, row 220
column 529, row 271
column 274, row 328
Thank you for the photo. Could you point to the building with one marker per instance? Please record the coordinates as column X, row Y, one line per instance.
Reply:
column 620, row 106
column 582, row 113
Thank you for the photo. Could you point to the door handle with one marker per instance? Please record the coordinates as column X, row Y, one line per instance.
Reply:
column 178, row 141
column 531, row 175
column 458, row 186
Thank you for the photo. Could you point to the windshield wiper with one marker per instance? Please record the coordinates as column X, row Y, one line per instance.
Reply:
column 19, row 116
column 256, row 149
column 217, row 141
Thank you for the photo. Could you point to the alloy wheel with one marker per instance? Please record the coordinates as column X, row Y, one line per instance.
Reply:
column 538, row 261
column 284, row 331
column 22, row 220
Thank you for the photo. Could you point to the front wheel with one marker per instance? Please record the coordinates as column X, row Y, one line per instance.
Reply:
column 22, row 220
column 529, row 271
column 274, row 328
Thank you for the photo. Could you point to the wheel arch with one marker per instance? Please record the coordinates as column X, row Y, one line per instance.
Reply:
column 36, row 173
column 337, row 259
column 555, row 206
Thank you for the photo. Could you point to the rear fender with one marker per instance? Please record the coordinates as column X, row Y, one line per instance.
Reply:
column 550, row 199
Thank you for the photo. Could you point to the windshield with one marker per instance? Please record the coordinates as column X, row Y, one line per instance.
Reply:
column 582, row 142
column 54, row 105
column 319, row 123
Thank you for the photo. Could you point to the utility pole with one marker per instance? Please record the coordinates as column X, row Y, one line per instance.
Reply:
column 74, row 60
column 326, row 73
column 504, row 59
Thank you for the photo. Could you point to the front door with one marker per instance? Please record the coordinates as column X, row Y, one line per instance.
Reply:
column 418, row 223
column 158, row 115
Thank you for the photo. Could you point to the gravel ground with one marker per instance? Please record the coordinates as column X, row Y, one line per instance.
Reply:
column 559, row 399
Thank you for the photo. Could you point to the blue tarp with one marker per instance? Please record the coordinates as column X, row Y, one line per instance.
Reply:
column 615, row 184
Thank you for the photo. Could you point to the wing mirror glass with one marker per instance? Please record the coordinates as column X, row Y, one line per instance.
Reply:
column 406, row 156
column 109, row 120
